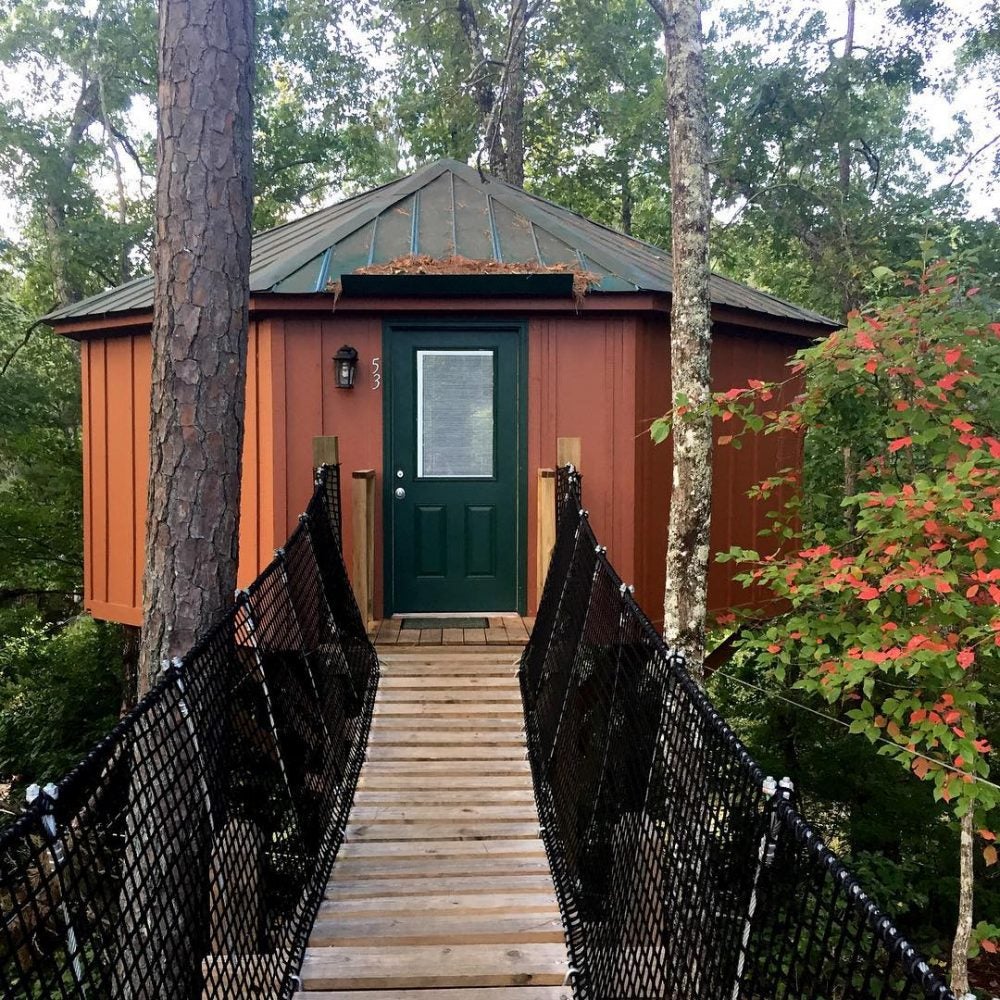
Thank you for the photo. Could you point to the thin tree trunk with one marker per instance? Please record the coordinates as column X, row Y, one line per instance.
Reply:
column 513, row 94
column 686, row 597
column 627, row 202
column 201, row 268
column 844, row 147
column 963, row 932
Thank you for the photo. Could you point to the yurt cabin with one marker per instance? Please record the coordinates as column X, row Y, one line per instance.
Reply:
column 447, row 394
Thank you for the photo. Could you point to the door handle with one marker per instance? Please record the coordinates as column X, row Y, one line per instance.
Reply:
column 399, row 492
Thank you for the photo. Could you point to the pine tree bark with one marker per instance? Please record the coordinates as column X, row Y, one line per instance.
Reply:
column 686, row 596
column 201, row 268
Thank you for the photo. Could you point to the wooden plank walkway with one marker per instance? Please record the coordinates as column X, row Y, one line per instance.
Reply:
column 442, row 889
column 504, row 630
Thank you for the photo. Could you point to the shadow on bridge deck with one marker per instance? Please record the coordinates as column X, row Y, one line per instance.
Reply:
column 442, row 887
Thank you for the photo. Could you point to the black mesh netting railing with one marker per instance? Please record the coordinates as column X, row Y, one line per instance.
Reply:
column 186, row 856
column 682, row 872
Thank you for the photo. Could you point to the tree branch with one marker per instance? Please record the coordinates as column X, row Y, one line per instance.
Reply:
column 969, row 160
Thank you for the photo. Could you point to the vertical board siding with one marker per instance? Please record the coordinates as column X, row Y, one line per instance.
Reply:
column 581, row 383
column 600, row 378
column 88, row 460
column 737, row 355
column 115, row 373
column 310, row 405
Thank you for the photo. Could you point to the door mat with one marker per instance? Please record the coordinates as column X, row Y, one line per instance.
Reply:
column 410, row 624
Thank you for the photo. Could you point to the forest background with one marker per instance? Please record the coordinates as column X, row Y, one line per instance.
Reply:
column 840, row 154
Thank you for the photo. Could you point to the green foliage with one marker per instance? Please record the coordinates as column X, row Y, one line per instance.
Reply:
column 60, row 692
column 40, row 461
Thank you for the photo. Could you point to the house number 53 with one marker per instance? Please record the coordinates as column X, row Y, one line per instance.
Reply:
column 376, row 373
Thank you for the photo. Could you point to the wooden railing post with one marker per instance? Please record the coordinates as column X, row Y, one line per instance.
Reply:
column 326, row 451
column 568, row 450
column 546, row 525
column 363, row 523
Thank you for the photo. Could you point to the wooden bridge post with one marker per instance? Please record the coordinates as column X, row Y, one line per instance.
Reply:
column 326, row 450
column 363, row 522
column 568, row 451
column 546, row 528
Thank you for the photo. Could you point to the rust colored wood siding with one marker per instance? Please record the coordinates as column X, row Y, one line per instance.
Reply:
column 306, row 403
column 115, row 374
column 737, row 354
column 581, row 383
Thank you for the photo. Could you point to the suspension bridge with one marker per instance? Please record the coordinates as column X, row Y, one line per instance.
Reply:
column 293, row 811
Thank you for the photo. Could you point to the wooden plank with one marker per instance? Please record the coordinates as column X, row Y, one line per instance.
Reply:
column 326, row 450
column 569, row 451
column 516, row 629
column 488, row 993
column 438, row 848
column 445, row 796
column 449, row 811
column 423, row 902
column 445, row 751
column 545, row 531
column 448, row 768
column 445, row 682
column 388, row 633
column 390, row 780
column 363, row 524
column 462, row 737
column 496, row 636
column 434, row 695
column 483, row 830
column 428, row 966
column 467, row 928
column 355, row 869
column 474, row 636
column 446, row 708
column 453, row 636
column 392, row 723
column 481, row 886
column 462, row 653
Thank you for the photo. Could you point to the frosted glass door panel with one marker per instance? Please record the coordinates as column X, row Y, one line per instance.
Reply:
column 455, row 403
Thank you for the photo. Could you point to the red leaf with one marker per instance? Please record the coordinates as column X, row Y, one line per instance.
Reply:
column 986, row 944
column 953, row 355
column 868, row 593
column 961, row 425
column 965, row 658
column 864, row 341
column 987, row 835
column 949, row 381
column 903, row 442
column 990, row 854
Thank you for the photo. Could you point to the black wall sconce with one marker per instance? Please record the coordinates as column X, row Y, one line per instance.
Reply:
column 345, row 364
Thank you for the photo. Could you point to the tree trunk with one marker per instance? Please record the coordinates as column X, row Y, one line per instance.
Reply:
column 513, row 94
column 844, row 147
column 686, row 596
column 627, row 202
column 199, row 338
column 963, row 932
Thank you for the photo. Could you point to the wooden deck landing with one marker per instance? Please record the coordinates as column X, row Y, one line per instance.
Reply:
column 504, row 630
column 441, row 890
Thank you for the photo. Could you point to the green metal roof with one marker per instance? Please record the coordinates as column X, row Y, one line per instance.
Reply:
column 443, row 209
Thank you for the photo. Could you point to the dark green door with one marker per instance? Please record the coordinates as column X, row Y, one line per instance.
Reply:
column 452, row 469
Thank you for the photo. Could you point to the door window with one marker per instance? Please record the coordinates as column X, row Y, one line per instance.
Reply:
column 455, row 404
